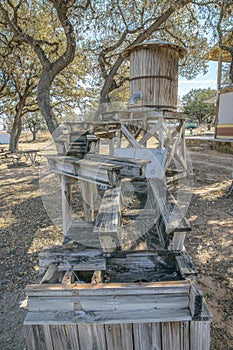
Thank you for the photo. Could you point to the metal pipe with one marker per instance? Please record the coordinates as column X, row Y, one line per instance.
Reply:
column 136, row 96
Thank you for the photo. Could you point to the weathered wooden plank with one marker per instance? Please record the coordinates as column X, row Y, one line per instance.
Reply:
column 59, row 337
column 185, row 337
column 108, row 243
column 66, row 204
column 199, row 335
column 130, row 137
column 150, row 133
column 69, row 252
column 87, row 190
column 95, row 177
column 172, row 215
column 156, row 336
column 86, row 265
column 144, row 268
column 79, row 316
column 132, row 303
column 128, row 167
column 169, row 143
column 29, row 336
column 143, row 229
column 85, row 336
column 171, row 335
column 147, row 336
column 72, row 336
column 44, row 304
column 155, row 157
column 108, row 303
column 83, row 233
column 117, row 159
column 108, row 219
column 98, row 337
column 37, row 338
column 87, row 170
column 185, row 264
column 113, row 337
column 177, row 242
column 195, row 300
column 50, row 275
column 97, row 277
column 68, row 277
column 127, row 336
column 174, row 146
column 48, row 337
column 142, row 336
column 205, row 312
column 71, row 249
column 134, row 213
column 168, row 287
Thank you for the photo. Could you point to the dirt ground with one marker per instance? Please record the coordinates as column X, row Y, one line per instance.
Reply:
column 25, row 228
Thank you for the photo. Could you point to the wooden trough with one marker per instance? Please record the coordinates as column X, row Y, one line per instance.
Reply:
column 125, row 300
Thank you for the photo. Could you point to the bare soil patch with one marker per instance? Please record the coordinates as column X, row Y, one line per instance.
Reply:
column 25, row 228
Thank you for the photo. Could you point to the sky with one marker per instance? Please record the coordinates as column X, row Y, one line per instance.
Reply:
column 200, row 82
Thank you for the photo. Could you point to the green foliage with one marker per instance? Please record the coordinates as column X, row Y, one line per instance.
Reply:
column 196, row 108
column 103, row 30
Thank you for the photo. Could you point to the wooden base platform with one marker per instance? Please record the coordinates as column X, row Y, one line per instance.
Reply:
column 88, row 299
column 182, row 335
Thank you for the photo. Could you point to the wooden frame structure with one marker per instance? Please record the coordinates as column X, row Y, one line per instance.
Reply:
column 122, row 279
column 107, row 288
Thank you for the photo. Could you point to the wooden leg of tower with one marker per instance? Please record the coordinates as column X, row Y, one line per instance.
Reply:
column 66, row 203
column 119, row 139
column 88, row 192
column 111, row 147
column 183, row 145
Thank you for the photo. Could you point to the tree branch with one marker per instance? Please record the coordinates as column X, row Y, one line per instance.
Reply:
column 220, row 34
column 24, row 37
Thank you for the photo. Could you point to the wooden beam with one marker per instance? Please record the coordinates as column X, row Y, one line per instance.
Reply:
column 196, row 300
column 150, row 133
column 87, row 191
column 50, row 275
column 130, row 137
column 108, row 219
column 66, row 203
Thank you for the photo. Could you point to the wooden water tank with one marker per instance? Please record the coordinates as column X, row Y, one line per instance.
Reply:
column 154, row 74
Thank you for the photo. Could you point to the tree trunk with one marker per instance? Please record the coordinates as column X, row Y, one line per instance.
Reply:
column 34, row 132
column 231, row 70
column 15, row 132
column 49, row 69
column 17, row 125
column 43, row 100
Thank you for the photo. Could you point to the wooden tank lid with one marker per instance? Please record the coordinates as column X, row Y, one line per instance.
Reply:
column 153, row 43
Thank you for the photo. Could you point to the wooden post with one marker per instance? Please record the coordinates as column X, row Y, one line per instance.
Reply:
column 183, row 145
column 66, row 203
column 111, row 146
column 199, row 335
column 218, row 88
column 119, row 135
column 87, row 189
column 219, row 71
column 161, row 138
